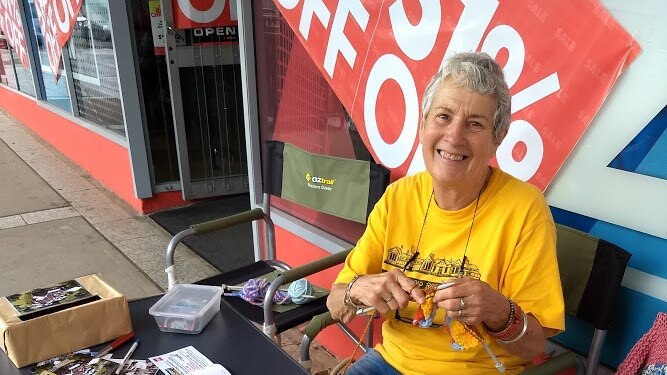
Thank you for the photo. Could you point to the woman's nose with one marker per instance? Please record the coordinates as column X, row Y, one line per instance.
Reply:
column 455, row 132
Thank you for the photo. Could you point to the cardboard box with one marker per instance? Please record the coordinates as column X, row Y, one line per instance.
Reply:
column 62, row 332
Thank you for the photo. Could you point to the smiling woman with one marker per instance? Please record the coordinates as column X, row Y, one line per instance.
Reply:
column 460, row 220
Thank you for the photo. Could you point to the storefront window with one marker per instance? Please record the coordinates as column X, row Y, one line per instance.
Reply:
column 12, row 72
column 94, row 73
column 55, row 91
column 297, row 106
column 7, row 73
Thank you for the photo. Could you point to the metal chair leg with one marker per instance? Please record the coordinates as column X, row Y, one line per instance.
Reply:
column 595, row 351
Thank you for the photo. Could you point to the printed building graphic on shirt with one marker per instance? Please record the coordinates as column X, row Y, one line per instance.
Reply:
column 429, row 264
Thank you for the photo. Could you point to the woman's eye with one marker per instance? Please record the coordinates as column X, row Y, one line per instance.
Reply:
column 475, row 126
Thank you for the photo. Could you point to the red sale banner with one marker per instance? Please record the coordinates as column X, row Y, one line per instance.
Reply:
column 561, row 60
column 11, row 26
column 190, row 14
column 57, row 19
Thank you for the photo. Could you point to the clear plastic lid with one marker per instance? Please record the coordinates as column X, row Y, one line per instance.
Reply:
column 187, row 301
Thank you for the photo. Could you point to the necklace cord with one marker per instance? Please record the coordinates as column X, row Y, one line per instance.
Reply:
column 472, row 223
column 421, row 231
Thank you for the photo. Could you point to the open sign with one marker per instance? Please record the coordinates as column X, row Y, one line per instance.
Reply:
column 190, row 14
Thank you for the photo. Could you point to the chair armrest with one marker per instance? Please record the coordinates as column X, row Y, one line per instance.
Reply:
column 314, row 267
column 292, row 275
column 229, row 221
column 212, row 226
column 554, row 365
column 318, row 323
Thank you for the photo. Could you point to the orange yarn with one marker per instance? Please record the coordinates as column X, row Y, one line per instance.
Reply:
column 425, row 309
column 466, row 336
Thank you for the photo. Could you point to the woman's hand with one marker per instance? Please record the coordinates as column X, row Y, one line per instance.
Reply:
column 473, row 301
column 386, row 291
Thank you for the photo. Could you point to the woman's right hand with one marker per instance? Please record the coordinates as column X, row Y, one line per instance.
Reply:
column 386, row 291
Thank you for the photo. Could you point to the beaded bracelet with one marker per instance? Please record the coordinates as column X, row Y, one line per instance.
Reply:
column 347, row 299
column 513, row 326
column 508, row 324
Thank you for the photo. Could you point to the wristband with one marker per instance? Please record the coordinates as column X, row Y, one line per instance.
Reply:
column 347, row 299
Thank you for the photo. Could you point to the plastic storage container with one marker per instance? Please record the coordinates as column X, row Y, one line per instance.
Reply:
column 186, row 308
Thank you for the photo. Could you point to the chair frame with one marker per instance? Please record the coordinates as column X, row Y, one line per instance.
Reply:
column 287, row 275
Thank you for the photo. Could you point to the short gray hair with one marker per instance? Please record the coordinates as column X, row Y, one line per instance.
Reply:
column 478, row 72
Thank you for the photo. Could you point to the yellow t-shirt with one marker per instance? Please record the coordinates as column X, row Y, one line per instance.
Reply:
column 512, row 247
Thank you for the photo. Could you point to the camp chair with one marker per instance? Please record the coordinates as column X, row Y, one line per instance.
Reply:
column 285, row 180
column 591, row 271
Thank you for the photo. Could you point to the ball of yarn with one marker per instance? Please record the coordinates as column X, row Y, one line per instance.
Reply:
column 255, row 290
column 298, row 289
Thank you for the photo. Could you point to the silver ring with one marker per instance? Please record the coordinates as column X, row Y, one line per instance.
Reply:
column 460, row 312
column 387, row 300
column 463, row 303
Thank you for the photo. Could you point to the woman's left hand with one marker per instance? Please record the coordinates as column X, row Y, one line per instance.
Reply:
column 472, row 301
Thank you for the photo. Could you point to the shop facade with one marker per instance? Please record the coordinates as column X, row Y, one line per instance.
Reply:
column 165, row 102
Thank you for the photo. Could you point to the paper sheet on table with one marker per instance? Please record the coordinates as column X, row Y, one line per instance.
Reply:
column 183, row 361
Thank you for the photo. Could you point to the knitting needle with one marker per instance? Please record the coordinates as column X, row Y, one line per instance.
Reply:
column 234, row 287
column 445, row 285
column 238, row 287
column 365, row 310
column 499, row 365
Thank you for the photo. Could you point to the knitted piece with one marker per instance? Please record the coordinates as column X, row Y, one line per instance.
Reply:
column 464, row 336
column 649, row 354
column 425, row 312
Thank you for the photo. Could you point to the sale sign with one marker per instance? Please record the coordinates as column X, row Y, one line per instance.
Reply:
column 190, row 14
column 57, row 19
column 11, row 26
column 560, row 59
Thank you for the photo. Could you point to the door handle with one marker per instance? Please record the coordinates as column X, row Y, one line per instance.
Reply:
column 173, row 31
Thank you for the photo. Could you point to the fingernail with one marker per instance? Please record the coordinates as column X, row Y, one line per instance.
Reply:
column 420, row 300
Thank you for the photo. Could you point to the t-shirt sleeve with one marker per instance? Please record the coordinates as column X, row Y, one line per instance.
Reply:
column 532, row 280
column 366, row 257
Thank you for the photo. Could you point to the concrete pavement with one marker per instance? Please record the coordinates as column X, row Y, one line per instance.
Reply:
column 57, row 223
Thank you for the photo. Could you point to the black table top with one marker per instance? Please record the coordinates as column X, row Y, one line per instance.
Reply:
column 229, row 339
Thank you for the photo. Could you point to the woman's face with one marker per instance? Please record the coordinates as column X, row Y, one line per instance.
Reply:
column 457, row 137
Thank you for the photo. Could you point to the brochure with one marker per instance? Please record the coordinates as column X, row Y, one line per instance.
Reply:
column 186, row 361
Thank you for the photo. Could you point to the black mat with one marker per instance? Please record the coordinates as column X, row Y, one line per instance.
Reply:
column 227, row 249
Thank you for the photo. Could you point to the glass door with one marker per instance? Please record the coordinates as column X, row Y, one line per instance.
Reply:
column 203, row 60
